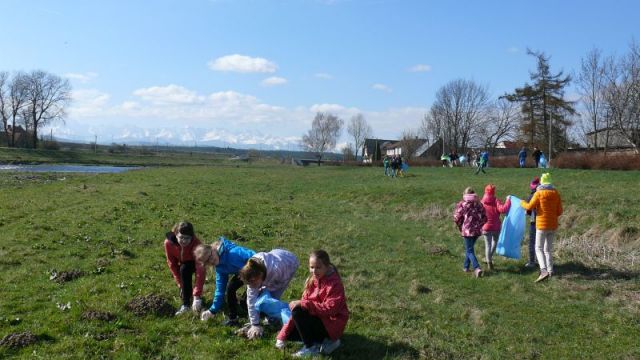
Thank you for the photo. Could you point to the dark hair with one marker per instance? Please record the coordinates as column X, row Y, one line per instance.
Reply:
column 252, row 269
column 184, row 228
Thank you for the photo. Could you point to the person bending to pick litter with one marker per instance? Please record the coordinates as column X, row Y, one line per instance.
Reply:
column 179, row 249
column 272, row 271
column 548, row 206
column 227, row 259
column 319, row 318
column 469, row 216
column 491, row 229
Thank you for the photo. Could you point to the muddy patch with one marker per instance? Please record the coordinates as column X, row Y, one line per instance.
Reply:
column 150, row 305
column 65, row 276
column 418, row 289
column 437, row 250
column 18, row 340
column 98, row 315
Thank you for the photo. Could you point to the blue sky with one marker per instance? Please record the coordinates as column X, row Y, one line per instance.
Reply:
column 252, row 73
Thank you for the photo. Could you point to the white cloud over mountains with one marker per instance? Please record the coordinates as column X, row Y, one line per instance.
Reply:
column 242, row 64
column 176, row 115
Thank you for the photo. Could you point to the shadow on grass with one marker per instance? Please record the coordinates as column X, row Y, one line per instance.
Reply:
column 360, row 347
column 573, row 269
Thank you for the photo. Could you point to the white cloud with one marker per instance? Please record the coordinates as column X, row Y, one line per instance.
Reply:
column 274, row 81
column 513, row 50
column 82, row 78
column 420, row 68
column 168, row 94
column 381, row 87
column 324, row 76
column 242, row 64
column 88, row 102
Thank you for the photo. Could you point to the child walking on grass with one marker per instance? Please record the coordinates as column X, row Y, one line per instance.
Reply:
column 319, row 318
column 469, row 216
column 227, row 259
column 548, row 206
column 491, row 229
column 179, row 247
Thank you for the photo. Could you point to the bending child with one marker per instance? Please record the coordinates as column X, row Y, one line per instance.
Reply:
column 227, row 258
column 319, row 318
column 491, row 229
column 179, row 249
column 469, row 216
column 271, row 270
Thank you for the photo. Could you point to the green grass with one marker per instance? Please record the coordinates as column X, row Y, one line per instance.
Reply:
column 406, row 299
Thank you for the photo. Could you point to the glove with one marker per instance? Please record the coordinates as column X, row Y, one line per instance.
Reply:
column 206, row 315
column 254, row 332
column 197, row 305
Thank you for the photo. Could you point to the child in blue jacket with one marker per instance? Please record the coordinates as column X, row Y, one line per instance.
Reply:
column 227, row 258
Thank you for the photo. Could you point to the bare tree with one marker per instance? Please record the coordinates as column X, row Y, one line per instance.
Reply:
column 46, row 97
column 324, row 132
column 623, row 96
column 592, row 81
column 13, row 96
column 409, row 143
column 457, row 113
column 501, row 124
column 347, row 152
column 359, row 129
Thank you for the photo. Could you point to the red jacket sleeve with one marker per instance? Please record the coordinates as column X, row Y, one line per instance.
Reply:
column 201, row 273
column 504, row 208
column 330, row 305
column 172, row 262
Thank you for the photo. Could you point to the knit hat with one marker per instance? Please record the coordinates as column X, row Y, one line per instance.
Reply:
column 546, row 179
column 534, row 183
column 490, row 189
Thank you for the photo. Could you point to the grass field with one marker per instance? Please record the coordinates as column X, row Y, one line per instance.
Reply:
column 393, row 241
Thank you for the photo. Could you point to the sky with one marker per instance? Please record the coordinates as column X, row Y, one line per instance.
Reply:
column 253, row 73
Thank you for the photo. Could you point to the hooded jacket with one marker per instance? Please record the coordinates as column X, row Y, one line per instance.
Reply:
column 325, row 299
column 469, row 216
column 547, row 203
column 232, row 258
column 493, row 208
column 178, row 255
column 281, row 265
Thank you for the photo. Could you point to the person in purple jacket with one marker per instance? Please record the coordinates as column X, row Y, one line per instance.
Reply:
column 469, row 216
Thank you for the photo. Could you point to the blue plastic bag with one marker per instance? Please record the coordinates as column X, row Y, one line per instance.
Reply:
column 512, row 230
column 273, row 307
column 543, row 161
column 405, row 167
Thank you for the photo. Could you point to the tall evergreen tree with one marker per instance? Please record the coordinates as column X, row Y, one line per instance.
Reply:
column 545, row 111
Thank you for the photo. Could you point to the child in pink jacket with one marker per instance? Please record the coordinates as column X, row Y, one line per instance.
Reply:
column 491, row 229
column 469, row 216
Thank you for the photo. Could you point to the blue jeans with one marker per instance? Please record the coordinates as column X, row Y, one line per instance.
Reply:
column 470, row 254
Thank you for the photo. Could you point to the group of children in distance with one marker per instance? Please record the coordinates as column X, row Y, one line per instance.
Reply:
column 317, row 320
column 482, row 217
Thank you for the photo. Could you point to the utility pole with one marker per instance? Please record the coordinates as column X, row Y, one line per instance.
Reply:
column 95, row 144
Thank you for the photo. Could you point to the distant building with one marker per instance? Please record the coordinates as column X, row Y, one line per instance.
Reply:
column 372, row 150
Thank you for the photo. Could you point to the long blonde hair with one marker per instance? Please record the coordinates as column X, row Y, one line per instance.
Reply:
column 203, row 252
column 323, row 256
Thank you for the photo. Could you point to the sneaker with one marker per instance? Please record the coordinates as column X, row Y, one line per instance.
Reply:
column 280, row 344
column 530, row 264
column 465, row 269
column 328, row 346
column 543, row 275
column 183, row 309
column 477, row 272
column 308, row 351
column 231, row 322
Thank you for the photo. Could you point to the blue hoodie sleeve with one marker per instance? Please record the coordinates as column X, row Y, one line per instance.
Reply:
column 218, row 295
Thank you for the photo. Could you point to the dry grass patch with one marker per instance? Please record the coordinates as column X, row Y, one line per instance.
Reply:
column 431, row 212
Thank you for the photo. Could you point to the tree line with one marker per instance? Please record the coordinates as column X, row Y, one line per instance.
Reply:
column 463, row 114
column 31, row 101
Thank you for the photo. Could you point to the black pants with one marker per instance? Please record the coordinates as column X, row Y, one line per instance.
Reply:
column 310, row 328
column 233, row 285
column 187, row 270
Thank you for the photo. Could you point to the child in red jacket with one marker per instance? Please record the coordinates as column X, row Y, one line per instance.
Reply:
column 491, row 229
column 319, row 318
column 179, row 247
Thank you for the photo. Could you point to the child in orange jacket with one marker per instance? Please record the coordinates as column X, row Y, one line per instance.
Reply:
column 548, row 206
